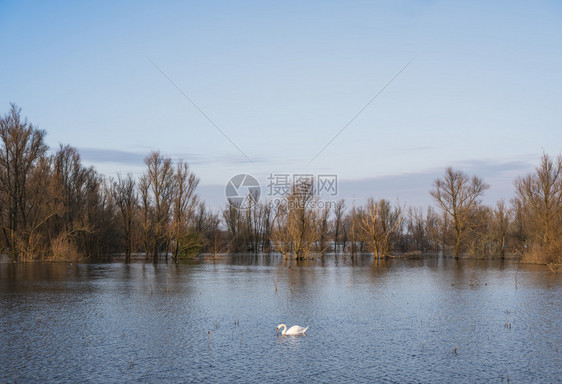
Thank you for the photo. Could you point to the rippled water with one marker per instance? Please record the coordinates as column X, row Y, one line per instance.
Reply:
column 430, row 320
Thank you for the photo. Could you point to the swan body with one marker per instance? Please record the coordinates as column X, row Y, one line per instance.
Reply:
column 294, row 330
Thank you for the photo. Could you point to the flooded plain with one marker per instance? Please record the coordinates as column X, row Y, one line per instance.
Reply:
column 214, row 320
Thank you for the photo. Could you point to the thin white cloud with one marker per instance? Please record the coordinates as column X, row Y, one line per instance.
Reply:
column 131, row 158
column 413, row 188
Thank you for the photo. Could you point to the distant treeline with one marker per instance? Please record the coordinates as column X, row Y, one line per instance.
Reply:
column 53, row 208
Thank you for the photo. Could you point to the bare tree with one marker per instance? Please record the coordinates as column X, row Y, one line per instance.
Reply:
column 540, row 196
column 296, row 222
column 518, row 231
column 432, row 229
column 146, row 213
column 206, row 224
column 43, row 206
column 501, row 221
column 161, row 181
column 101, row 239
column 265, row 226
column 339, row 212
column 378, row 221
column 78, row 228
column 356, row 213
column 200, row 217
column 184, row 202
column 126, row 200
column 250, row 222
column 417, row 230
column 345, row 230
column 54, row 208
column 72, row 178
column 479, row 239
column 22, row 147
column 232, row 219
column 458, row 195
column 323, row 229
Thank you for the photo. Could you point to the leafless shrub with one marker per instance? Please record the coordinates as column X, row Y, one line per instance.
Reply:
column 63, row 250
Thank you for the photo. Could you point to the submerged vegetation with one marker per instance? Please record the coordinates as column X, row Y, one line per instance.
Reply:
column 53, row 208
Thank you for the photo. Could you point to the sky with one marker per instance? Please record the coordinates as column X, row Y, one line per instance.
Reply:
column 383, row 94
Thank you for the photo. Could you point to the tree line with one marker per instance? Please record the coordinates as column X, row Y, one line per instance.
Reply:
column 53, row 208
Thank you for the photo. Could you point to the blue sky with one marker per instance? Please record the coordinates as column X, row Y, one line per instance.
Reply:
column 280, row 79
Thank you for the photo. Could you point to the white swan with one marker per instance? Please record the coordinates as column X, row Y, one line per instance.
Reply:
column 294, row 330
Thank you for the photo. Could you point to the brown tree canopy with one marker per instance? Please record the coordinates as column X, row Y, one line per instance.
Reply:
column 458, row 196
column 540, row 197
column 53, row 208
column 22, row 147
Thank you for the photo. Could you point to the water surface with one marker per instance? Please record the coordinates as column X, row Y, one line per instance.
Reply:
column 214, row 320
